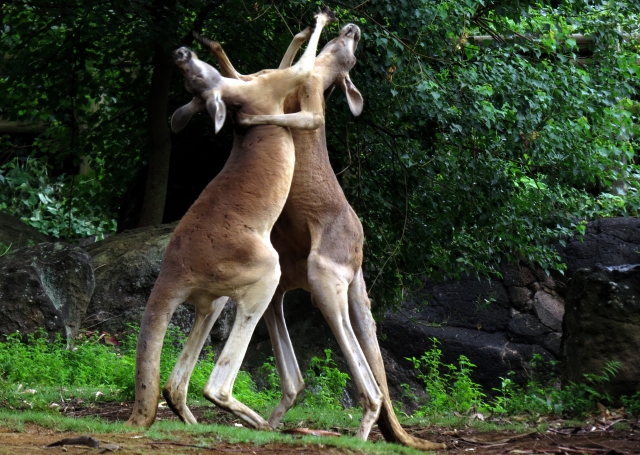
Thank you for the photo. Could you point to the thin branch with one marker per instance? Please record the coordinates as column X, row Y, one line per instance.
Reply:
column 284, row 21
column 259, row 15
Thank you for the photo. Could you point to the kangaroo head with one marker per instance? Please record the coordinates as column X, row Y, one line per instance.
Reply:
column 336, row 60
column 205, row 83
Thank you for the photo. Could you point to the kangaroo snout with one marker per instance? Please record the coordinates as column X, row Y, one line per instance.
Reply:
column 182, row 55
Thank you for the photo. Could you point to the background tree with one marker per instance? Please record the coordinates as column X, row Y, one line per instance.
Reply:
column 468, row 152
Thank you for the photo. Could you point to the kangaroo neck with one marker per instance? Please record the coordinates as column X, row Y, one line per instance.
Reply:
column 311, row 152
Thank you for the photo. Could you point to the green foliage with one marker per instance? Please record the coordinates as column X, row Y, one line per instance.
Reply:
column 451, row 390
column 632, row 404
column 544, row 396
column 466, row 152
column 480, row 150
column 34, row 361
column 58, row 207
column 37, row 363
column 268, row 374
column 325, row 383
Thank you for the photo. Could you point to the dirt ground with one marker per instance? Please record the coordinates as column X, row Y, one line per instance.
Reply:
column 598, row 438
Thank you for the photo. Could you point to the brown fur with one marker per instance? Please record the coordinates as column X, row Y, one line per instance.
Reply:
column 319, row 239
column 222, row 245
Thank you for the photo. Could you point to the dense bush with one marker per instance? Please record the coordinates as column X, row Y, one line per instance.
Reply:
column 49, row 204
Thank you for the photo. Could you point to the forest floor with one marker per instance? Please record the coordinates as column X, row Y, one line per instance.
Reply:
column 614, row 437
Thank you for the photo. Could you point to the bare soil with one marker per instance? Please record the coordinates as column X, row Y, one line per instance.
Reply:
column 597, row 438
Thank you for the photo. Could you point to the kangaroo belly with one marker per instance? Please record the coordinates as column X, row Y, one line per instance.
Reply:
column 224, row 237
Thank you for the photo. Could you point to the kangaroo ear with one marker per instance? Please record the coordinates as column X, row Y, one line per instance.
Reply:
column 354, row 98
column 217, row 110
column 182, row 115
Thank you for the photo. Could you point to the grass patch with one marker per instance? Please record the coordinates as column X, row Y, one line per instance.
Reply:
column 37, row 372
column 451, row 421
column 41, row 376
column 206, row 435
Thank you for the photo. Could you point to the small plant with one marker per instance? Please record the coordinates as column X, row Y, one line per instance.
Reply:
column 547, row 397
column 582, row 398
column 270, row 379
column 452, row 390
column 501, row 401
column 631, row 404
column 39, row 363
column 325, row 383
column 483, row 303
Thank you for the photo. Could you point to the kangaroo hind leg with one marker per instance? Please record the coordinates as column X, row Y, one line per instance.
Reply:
column 329, row 284
column 365, row 330
column 252, row 301
column 165, row 298
column 291, row 382
column 175, row 390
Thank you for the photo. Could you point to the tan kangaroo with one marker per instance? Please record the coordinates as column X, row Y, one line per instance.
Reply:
column 319, row 239
column 222, row 247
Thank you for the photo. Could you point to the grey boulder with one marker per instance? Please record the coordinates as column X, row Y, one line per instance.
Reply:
column 47, row 286
column 126, row 268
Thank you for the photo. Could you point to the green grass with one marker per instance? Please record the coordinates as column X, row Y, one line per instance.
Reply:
column 43, row 375
column 36, row 372
column 206, row 435
column 34, row 360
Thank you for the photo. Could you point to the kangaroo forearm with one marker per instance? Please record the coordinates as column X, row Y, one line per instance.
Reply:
column 294, row 47
column 299, row 120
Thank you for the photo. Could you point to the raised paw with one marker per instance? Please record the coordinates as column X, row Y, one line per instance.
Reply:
column 331, row 15
column 205, row 41
column 326, row 17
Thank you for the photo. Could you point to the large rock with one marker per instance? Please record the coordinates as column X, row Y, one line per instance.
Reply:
column 494, row 354
column 526, row 328
column 45, row 286
column 549, row 310
column 469, row 303
column 601, row 324
column 608, row 241
column 126, row 268
column 17, row 234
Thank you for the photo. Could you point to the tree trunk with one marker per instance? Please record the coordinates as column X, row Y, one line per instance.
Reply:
column 158, row 141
